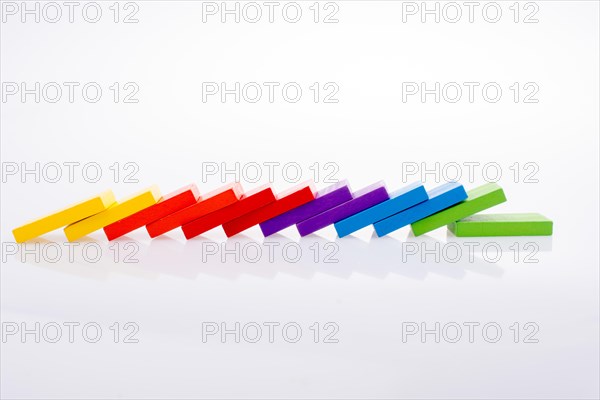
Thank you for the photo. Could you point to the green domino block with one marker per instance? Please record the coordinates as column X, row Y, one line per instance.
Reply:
column 479, row 199
column 525, row 224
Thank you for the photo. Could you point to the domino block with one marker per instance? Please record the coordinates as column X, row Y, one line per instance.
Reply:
column 440, row 198
column 285, row 201
column 249, row 202
column 325, row 199
column 525, row 224
column 400, row 200
column 168, row 204
column 478, row 199
column 361, row 200
column 213, row 201
column 114, row 213
column 60, row 218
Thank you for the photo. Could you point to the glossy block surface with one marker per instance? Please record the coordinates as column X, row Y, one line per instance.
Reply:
column 440, row 198
column 68, row 215
column 114, row 213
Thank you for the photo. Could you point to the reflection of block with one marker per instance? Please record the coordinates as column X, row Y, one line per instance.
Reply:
column 288, row 200
column 211, row 202
column 249, row 201
column 361, row 200
column 526, row 224
column 479, row 199
column 441, row 197
column 64, row 217
column 114, row 213
column 400, row 200
column 325, row 199
column 168, row 204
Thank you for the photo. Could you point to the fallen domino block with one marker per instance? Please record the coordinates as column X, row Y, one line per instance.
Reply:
column 68, row 215
column 400, row 200
column 286, row 201
column 168, row 204
column 526, row 224
column 361, row 200
column 478, row 199
column 325, row 199
column 440, row 198
column 213, row 201
column 249, row 202
column 114, row 213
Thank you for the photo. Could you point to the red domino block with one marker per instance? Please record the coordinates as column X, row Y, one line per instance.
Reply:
column 249, row 202
column 168, row 204
column 212, row 202
column 285, row 201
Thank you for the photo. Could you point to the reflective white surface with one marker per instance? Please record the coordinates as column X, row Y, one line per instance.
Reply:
column 367, row 294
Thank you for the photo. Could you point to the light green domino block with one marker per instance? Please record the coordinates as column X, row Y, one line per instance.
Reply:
column 525, row 224
column 480, row 198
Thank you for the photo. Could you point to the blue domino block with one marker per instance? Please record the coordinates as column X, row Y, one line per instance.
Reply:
column 400, row 200
column 440, row 198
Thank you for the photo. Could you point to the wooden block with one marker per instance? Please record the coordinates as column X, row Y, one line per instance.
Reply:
column 68, row 215
column 285, row 201
column 168, row 204
column 249, row 202
column 213, row 201
column 479, row 199
column 441, row 197
column 325, row 199
column 525, row 224
column 114, row 213
column 400, row 200
column 361, row 200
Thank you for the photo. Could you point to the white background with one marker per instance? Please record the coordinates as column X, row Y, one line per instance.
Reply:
column 376, row 287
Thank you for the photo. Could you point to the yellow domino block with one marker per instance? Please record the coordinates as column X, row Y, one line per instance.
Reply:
column 66, row 216
column 116, row 212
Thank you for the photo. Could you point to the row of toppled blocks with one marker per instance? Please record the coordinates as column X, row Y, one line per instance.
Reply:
column 303, row 206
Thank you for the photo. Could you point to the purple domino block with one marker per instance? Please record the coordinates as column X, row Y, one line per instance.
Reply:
column 361, row 200
column 325, row 199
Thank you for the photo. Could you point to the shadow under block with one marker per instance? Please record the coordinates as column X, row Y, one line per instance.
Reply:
column 362, row 199
column 325, row 199
column 114, row 213
column 285, row 201
column 478, row 199
column 524, row 224
column 211, row 202
column 61, row 218
column 440, row 198
column 168, row 204
column 400, row 200
column 249, row 202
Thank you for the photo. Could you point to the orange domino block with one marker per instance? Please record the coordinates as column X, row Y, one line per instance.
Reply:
column 212, row 202
column 116, row 212
column 168, row 204
column 250, row 201
column 64, row 217
column 285, row 201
